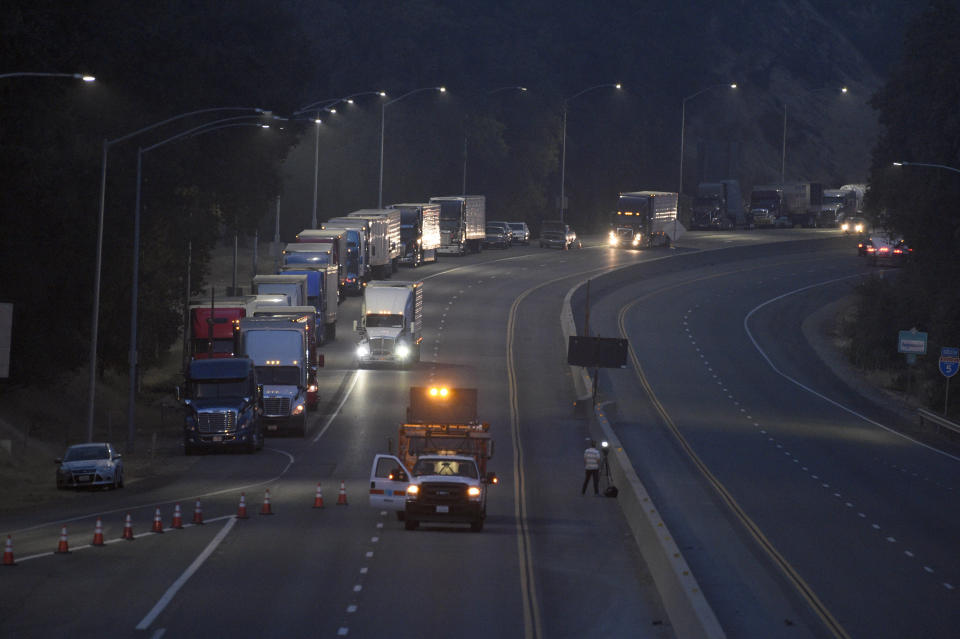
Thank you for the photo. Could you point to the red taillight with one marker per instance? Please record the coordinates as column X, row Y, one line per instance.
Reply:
column 897, row 251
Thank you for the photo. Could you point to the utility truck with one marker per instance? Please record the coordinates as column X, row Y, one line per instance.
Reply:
column 280, row 353
column 389, row 219
column 439, row 474
column 391, row 323
column 222, row 404
column 419, row 232
column 462, row 223
column 645, row 219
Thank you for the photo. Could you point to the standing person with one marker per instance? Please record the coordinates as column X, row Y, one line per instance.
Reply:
column 591, row 464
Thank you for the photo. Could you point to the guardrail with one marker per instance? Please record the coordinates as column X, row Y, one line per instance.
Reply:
column 940, row 421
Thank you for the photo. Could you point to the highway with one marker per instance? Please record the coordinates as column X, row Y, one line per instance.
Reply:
column 853, row 527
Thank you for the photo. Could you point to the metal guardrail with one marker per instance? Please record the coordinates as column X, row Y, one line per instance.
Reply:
column 927, row 415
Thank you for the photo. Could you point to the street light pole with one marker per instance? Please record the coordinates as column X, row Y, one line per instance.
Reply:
column 135, row 279
column 563, row 150
column 683, row 124
column 30, row 74
column 928, row 164
column 383, row 109
column 95, row 315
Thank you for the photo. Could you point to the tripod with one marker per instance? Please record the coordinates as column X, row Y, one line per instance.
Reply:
column 605, row 471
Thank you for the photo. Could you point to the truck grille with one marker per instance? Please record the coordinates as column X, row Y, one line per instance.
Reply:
column 381, row 347
column 443, row 493
column 276, row 406
column 221, row 422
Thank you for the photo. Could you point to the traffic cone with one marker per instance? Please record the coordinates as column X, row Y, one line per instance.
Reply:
column 177, row 519
column 157, row 524
column 318, row 500
column 8, row 553
column 128, row 529
column 62, row 547
column 242, row 509
column 98, row 533
column 265, row 509
column 197, row 514
column 342, row 497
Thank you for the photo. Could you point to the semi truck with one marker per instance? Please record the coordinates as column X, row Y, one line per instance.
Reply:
column 419, row 232
column 357, row 262
column 322, row 285
column 294, row 286
column 439, row 474
column 802, row 202
column 279, row 351
column 645, row 219
column 306, row 315
column 717, row 206
column 337, row 241
column 222, row 404
column 462, row 223
column 391, row 323
column 211, row 325
column 392, row 244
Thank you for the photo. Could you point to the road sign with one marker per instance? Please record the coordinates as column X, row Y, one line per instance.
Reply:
column 912, row 342
column 949, row 361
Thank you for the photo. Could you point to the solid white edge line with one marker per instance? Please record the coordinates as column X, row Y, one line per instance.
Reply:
column 336, row 411
column 178, row 584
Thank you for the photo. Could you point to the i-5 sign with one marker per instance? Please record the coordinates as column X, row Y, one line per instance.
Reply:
column 949, row 361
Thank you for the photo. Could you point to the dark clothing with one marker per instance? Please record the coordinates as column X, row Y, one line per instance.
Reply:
column 588, row 473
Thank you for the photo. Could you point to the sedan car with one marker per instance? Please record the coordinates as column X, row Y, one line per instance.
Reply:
column 559, row 235
column 520, row 231
column 506, row 230
column 886, row 252
column 95, row 464
column 497, row 236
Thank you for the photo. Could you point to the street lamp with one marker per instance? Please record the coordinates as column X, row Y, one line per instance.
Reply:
column 928, row 164
column 683, row 122
column 497, row 90
column 95, row 319
column 134, row 288
column 563, row 153
column 29, row 74
column 325, row 105
column 783, row 147
column 383, row 109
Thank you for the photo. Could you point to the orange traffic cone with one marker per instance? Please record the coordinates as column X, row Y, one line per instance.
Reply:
column 128, row 529
column 342, row 497
column 242, row 509
column 62, row 547
column 318, row 500
column 177, row 519
column 197, row 514
column 157, row 524
column 265, row 509
column 98, row 533
column 8, row 553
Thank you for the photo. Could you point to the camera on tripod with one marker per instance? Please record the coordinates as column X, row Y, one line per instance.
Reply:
column 610, row 490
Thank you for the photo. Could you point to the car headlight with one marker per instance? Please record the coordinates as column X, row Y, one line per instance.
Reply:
column 402, row 351
column 845, row 227
column 363, row 350
column 473, row 492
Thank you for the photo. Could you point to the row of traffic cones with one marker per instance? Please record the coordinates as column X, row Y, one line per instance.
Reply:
column 177, row 523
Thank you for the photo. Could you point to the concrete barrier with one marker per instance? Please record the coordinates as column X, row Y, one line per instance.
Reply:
column 689, row 612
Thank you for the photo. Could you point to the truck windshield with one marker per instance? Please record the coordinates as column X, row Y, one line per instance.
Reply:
column 377, row 320
column 452, row 467
column 278, row 375
column 216, row 389
column 303, row 257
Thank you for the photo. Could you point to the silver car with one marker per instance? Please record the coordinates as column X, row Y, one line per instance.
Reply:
column 520, row 231
column 95, row 464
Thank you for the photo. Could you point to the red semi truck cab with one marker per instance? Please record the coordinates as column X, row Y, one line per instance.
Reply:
column 211, row 330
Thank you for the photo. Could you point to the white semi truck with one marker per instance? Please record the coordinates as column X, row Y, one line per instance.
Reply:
column 391, row 323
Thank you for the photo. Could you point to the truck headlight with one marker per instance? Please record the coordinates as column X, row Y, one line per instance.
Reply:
column 612, row 238
column 298, row 409
column 363, row 350
column 636, row 240
column 473, row 492
column 402, row 351
column 413, row 491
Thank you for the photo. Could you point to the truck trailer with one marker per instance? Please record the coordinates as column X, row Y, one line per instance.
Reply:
column 392, row 243
column 645, row 219
column 718, row 206
column 322, row 285
column 294, row 286
column 391, row 323
column 462, row 223
column 419, row 232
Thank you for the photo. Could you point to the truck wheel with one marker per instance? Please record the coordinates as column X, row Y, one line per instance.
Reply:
column 411, row 524
column 476, row 525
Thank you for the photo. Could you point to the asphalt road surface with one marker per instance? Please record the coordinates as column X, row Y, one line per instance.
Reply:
column 847, row 525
